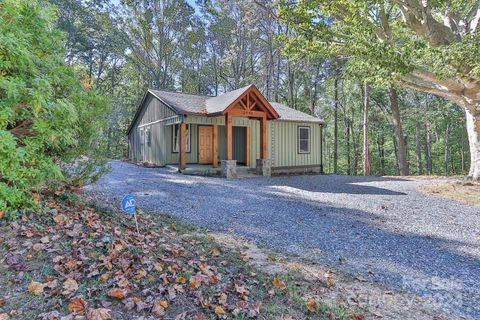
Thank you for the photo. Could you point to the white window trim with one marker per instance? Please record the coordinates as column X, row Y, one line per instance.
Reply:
column 309, row 140
column 175, row 146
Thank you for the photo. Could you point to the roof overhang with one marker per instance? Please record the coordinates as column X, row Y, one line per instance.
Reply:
column 258, row 101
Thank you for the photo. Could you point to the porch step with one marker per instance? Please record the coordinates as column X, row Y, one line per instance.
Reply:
column 202, row 170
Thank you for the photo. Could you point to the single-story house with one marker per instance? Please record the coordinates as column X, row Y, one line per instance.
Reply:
column 237, row 128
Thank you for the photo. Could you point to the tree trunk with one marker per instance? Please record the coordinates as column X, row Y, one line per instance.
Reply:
column 381, row 152
column 428, row 148
column 397, row 126
column 366, row 155
column 462, row 152
column 446, row 148
column 347, row 142
column 473, row 130
column 418, row 148
column 335, row 126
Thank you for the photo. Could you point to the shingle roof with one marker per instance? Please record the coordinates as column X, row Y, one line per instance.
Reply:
column 182, row 102
column 205, row 105
column 219, row 103
column 290, row 114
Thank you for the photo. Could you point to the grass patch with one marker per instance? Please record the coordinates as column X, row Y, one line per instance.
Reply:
column 464, row 192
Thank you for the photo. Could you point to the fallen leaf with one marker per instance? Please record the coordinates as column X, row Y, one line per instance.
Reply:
column 192, row 284
column 158, row 310
column 2, row 302
column 215, row 252
column 2, row 213
column 199, row 316
column 277, row 283
column 77, row 306
column 181, row 280
column 99, row 314
column 69, row 286
column 256, row 307
column 140, row 274
column 163, row 303
column 356, row 316
column 240, row 289
column 223, row 299
column 311, row 305
column 117, row 293
column 219, row 310
column 104, row 277
column 4, row 316
column 45, row 240
column 35, row 288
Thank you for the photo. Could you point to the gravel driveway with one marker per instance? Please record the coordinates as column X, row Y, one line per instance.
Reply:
column 377, row 228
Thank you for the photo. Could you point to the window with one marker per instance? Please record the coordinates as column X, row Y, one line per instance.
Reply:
column 303, row 139
column 141, row 137
column 176, row 138
column 148, row 133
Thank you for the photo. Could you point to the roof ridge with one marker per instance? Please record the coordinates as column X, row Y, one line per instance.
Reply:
column 188, row 94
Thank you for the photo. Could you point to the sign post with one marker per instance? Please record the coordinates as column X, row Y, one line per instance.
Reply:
column 128, row 206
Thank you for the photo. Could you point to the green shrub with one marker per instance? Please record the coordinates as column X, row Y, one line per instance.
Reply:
column 50, row 121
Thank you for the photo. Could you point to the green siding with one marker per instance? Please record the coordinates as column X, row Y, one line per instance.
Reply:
column 283, row 147
column 282, row 138
column 172, row 157
column 155, row 152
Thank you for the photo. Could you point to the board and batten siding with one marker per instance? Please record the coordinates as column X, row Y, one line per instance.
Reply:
column 150, row 120
column 283, row 144
column 173, row 157
column 236, row 122
column 282, row 138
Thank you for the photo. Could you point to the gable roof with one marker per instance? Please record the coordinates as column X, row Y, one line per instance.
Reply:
column 182, row 103
column 219, row 103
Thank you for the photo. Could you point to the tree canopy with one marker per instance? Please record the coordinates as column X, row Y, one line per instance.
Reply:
column 48, row 119
column 429, row 46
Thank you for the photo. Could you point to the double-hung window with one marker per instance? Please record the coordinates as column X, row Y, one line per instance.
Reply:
column 176, row 138
column 303, row 139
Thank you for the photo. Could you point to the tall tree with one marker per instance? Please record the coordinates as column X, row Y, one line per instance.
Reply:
column 397, row 126
column 424, row 45
column 366, row 153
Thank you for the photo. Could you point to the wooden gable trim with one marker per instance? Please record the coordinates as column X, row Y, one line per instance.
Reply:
column 271, row 113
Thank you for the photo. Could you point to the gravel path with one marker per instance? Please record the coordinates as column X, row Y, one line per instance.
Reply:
column 380, row 229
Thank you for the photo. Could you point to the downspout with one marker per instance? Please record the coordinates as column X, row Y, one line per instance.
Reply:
column 321, row 149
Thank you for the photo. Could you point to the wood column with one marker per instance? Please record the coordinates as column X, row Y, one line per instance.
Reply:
column 247, row 146
column 182, row 163
column 263, row 138
column 215, row 145
column 228, row 137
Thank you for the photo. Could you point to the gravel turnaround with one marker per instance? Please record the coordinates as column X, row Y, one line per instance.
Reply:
column 377, row 228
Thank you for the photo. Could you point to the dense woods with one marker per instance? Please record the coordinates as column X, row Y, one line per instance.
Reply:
column 388, row 86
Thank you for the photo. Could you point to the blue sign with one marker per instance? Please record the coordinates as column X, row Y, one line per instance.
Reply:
column 128, row 204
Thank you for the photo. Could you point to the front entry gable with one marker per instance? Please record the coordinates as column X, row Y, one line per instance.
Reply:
column 244, row 102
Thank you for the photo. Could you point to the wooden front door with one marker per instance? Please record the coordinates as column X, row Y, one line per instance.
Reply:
column 205, row 145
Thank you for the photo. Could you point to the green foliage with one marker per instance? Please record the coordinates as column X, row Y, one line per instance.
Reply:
column 49, row 123
column 374, row 39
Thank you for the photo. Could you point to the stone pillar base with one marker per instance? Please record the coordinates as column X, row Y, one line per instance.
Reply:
column 264, row 167
column 229, row 168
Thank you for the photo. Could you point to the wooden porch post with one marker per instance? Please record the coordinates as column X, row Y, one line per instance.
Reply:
column 183, row 147
column 263, row 138
column 247, row 147
column 215, row 146
column 228, row 136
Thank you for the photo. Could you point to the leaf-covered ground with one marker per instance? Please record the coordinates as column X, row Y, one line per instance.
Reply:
column 465, row 192
column 77, row 260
